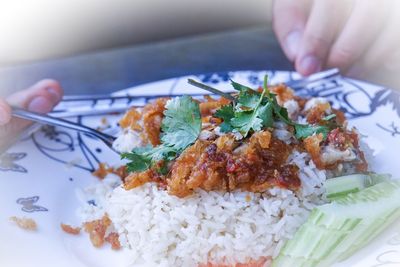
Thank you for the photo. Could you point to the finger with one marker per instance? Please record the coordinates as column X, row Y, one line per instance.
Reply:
column 41, row 97
column 319, row 34
column 5, row 112
column 381, row 63
column 359, row 32
column 289, row 20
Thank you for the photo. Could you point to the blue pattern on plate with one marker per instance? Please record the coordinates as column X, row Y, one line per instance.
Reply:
column 53, row 142
column 92, row 202
column 215, row 78
column 28, row 204
column 392, row 129
column 7, row 162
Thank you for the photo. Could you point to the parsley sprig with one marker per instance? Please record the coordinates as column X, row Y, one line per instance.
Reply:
column 180, row 127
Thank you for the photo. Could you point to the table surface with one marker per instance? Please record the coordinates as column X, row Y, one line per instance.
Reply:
column 107, row 71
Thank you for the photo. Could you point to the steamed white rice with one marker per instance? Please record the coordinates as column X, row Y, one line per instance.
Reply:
column 158, row 229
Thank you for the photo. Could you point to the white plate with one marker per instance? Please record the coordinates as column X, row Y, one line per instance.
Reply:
column 39, row 175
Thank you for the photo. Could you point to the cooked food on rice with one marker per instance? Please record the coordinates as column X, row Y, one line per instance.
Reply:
column 235, row 151
column 222, row 182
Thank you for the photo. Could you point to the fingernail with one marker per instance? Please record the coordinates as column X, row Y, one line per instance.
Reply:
column 40, row 104
column 310, row 64
column 292, row 43
column 54, row 94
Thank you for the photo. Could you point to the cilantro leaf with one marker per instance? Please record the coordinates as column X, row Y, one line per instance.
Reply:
column 226, row 127
column 182, row 123
column 248, row 99
column 245, row 121
column 279, row 111
column 181, row 126
column 265, row 113
column 282, row 114
column 140, row 160
column 226, row 113
column 162, row 152
column 143, row 158
column 240, row 87
column 303, row 130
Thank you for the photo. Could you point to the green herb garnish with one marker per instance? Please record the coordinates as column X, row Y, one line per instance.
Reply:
column 250, row 113
column 180, row 127
column 253, row 111
column 140, row 159
column 226, row 113
column 329, row 117
column 305, row 130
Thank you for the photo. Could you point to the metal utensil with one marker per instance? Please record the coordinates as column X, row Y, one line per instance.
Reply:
column 45, row 119
column 327, row 74
column 89, row 111
column 298, row 83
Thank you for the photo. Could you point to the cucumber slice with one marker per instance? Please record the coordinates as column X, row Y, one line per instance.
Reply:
column 336, row 230
column 341, row 186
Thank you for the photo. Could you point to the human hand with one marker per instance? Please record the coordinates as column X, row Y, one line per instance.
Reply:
column 360, row 37
column 41, row 98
